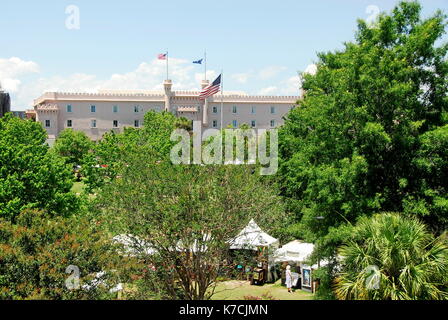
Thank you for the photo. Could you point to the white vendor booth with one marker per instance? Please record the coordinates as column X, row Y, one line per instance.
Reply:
column 296, row 253
column 252, row 237
column 134, row 245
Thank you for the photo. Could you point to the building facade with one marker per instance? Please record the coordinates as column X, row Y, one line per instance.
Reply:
column 5, row 102
column 98, row 113
column 19, row 114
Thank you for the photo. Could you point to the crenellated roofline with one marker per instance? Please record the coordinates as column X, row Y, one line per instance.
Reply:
column 49, row 107
column 159, row 96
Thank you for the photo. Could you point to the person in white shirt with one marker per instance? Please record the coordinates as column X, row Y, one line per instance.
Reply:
column 288, row 281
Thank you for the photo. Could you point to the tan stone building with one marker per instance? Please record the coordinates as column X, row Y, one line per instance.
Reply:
column 98, row 113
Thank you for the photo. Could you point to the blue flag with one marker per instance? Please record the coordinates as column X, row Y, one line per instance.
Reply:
column 198, row 62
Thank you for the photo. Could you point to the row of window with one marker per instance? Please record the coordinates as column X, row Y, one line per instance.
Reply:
column 253, row 110
column 115, row 123
column 137, row 109
column 253, row 123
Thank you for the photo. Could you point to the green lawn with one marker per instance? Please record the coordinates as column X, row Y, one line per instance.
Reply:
column 237, row 290
column 78, row 187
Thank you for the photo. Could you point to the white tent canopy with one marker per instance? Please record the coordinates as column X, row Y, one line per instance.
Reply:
column 197, row 246
column 134, row 245
column 294, row 251
column 99, row 281
column 298, row 252
column 252, row 237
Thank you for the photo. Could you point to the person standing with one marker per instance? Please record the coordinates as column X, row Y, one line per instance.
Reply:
column 288, row 281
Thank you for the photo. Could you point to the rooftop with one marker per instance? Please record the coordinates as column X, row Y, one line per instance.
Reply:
column 157, row 96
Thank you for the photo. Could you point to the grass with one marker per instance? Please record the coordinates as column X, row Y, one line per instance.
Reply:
column 237, row 290
column 78, row 187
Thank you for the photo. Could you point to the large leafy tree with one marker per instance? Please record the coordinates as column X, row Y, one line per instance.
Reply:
column 30, row 175
column 389, row 256
column 108, row 157
column 185, row 215
column 430, row 199
column 369, row 133
column 73, row 146
column 37, row 250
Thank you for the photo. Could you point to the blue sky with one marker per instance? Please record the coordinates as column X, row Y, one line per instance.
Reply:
column 260, row 44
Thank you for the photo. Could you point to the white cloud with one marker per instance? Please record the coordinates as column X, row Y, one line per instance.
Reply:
column 198, row 77
column 11, row 69
column 146, row 76
column 10, row 85
column 268, row 91
column 270, row 72
column 241, row 77
column 290, row 86
column 149, row 76
column 311, row 69
column 14, row 66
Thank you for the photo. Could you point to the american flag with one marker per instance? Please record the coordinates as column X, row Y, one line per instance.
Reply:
column 162, row 56
column 211, row 89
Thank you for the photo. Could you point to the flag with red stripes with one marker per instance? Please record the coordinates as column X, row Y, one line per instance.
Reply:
column 162, row 56
column 211, row 89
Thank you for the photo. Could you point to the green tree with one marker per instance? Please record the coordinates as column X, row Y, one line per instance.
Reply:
column 351, row 147
column 72, row 146
column 391, row 257
column 157, row 130
column 30, row 175
column 186, row 214
column 369, row 134
column 36, row 251
column 184, row 123
column 110, row 154
column 429, row 198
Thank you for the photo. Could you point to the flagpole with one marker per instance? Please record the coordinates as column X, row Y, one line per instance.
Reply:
column 205, row 58
column 167, row 58
column 222, row 99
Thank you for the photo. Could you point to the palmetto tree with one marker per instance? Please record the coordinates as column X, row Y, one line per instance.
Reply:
column 184, row 123
column 392, row 257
